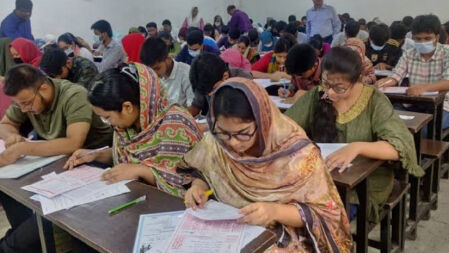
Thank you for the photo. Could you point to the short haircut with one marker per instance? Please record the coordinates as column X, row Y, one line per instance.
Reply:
column 151, row 24
column 52, row 61
column 370, row 25
column 291, row 28
column 195, row 36
column 362, row 21
column 142, row 30
column 304, row 18
column 224, row 29
column 24, row 5
column 244, row 39
column 283, row 45
column 379, row 34
column 230, row 8
column 234, row 33
column 206, row 70
column 154, row 50
column 352, row 28
column 300, row 59
column 407, row 21
column 166, row 22
column 316, row 42
column 398, row 31
column 281, row 26
column 426, row 24
column 291, row 18
column 253, row 36
column 20, row 77
column 69, row 38
column 102, row 26
column 208, row 28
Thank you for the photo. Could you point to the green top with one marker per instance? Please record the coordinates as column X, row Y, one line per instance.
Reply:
column 175, row 50
column 83, row 71
column 372, row 118
column 69, row 106
column 6, row 61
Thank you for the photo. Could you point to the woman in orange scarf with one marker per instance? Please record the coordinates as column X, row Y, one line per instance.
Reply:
column 257, row 159
column 368, row 76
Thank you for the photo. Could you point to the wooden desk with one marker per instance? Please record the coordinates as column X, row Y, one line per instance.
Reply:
column 91, row 223
column 356, row 177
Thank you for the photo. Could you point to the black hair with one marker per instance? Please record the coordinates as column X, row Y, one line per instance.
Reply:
column 291, row 28
column 195, row 36
column 224, row 29
column 111, row 88
column 316, row 42
column 22, row 76
column 426, row 24
column 283, row 44
column 24, row 5
column 352, row 28
column 166, row 22
column 151, row 24
column 379, row 34
column 281, row 26
column 362, row 21
column 102, row 26
column 167, row 36
column 69, row 38
column 153, row 50
column 304, row 18
column 398, row 31
column 221, row 19
column 291, row 18
column 209, row 29
column 370, row 25
column 300, row 59
column 253, row 36
column 443, row 35
column 244, row 39
column 206, row 70
column 407, row 21
column 343, row 61
column 143, row 30
column 52, row 61
column 230, row 8
column 234, row 33
column 232, row 102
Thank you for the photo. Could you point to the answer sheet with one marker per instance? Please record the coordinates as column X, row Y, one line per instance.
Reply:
column 280, row 102
column 403, row 90
column 214, row 210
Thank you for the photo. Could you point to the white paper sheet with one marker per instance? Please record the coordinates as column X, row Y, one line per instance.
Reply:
column 279, row 102
column 24, row 165
column 329, row 148
column 403, row 90
column 66, row 181
column 267, row 82
column 379, row 72
column 214, row 210
column 201, row 121
column 406, row 117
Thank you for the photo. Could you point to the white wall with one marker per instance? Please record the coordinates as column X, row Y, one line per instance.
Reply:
column 387, row 10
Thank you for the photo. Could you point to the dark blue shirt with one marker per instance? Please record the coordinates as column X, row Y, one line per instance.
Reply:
column 14, row 27
column 185, row 57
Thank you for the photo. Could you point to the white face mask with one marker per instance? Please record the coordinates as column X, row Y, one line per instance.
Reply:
column 69, row 51
column 425, row 47
column 217, row 23
column 376, row 47
column 194, row 53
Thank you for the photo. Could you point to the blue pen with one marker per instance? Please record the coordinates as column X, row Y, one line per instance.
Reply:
column 284, row 85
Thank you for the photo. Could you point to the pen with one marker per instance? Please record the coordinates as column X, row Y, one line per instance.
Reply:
column 121, row 207
column 206, row 193
column 92, row 152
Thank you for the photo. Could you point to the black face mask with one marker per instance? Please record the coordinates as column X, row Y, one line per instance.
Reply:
column 71, row 55
column 18, row 60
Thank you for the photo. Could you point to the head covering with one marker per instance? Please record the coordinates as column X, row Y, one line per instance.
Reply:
column 289, row 170
column 235, row 59
column 194, row 21
column 48, row 39
column 6, row 61
column 28, row 51
column 368, row 74
column 131, row 44
column 268, row 40
column 133, row 30
column 168, row 132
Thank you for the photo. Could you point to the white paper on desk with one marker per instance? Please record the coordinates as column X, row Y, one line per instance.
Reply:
column 214, row 210
column 66, row 181
column 403, row 90
column 201, row 121
column 155, row 230
column 406, row 117
column 379, row 72
column 25, row 164
column 279, row 102
column 267, row 82
column 329, row 148
column 251, row 233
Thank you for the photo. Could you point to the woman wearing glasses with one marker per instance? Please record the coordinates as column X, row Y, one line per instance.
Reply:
column 344, row 110
column 150, row 135
column 256, row 159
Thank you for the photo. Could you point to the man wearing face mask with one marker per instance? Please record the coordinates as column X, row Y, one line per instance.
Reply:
column 382, row 54
column 113, row 54
column 17, row 24
column 427, row 65
column 56, row 64
column 195, row 45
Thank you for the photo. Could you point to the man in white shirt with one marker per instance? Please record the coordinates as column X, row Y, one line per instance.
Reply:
column 352, row 30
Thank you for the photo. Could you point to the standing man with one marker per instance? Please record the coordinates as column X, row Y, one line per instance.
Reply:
column 239, row 20
column 17, row 24
column 322, row 19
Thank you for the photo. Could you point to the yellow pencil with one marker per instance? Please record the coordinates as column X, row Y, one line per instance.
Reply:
column 206, row 193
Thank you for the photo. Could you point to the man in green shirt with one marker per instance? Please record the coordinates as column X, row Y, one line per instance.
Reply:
column 58, row 111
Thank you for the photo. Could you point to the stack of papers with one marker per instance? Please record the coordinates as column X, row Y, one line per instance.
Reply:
column 24, row 165
column 79, row 186
column 378, row 72
column 212, row 229
column 267, row 82
column 403, row 90
column 280, row 102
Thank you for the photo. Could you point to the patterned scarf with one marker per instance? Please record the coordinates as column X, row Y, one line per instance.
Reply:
column 168, row 132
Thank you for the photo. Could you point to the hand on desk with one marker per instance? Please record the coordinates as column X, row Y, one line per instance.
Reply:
column 259, row 214
column 13, row 139
column 75, row 161
column 195, row 197
column 342, row 157
column 10, row 155
column 284, row 93
column 122, row 171
column 386, row 82
column 416, row 90
column 383, row 66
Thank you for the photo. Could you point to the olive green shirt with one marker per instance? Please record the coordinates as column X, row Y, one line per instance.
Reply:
column 69, row 106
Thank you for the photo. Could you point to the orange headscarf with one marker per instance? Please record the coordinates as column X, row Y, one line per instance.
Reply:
column 368, row 76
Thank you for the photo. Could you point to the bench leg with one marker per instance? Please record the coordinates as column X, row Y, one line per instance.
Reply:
column 427, row 190
column 385, row 233
column 436, row 182
column 396, row 223
column 413, row 207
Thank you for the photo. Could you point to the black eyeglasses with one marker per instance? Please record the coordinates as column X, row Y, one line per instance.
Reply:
column 226, row 136
column 336, row 88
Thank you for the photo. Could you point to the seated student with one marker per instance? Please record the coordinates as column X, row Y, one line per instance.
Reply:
column 150, row 135
column 363, row 26
column 207, row 39
column 173, row 46
column 382, row 55
column 166, row 27
column 344, row 110
column 244, row 46
column 257, row 159
column 235, row 59
column 143, row 31
column 352, row 30
column 268, row 40
column 209, row 31
column 321, row 47
column 426, row 66
column 111, row 50
column 72, row 47
column 224, row 31
column 254, row 39
column 152, row 29
column 230, row 40
column 398, row 31
column 368, row 75
column 208, row 71
column 272, row 65
column 281, row 28
column 293, row 30
column 174, row 75
column 195, row 45
column 56, row 64
column 25, row 51
column 132, row 44
column 305, row 68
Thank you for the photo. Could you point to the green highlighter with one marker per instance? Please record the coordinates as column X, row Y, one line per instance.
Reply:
column 131, row 203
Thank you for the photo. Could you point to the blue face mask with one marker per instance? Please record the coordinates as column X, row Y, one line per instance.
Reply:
column 96, row 39
column 376, row 47
column 194, row 53
column 425, row 47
